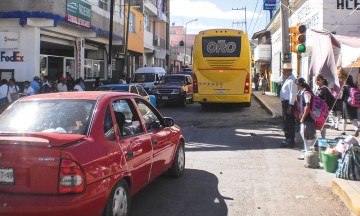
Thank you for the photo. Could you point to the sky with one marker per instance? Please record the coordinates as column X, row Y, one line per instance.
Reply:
column 218, row 14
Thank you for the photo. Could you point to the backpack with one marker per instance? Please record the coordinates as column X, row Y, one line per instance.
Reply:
column 354, row 97
column 318, row 111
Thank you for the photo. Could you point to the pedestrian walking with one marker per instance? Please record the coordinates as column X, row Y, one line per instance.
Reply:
column 307, row 123
column 288, row 94
column 62, row 87
column 45, row 87
column 13, row 91
column 324, row 93
column 349, row 112
column 77, row 86
column 97, row 83
column 3, row 95
column 35, row 85
column 262, row 83
column 28, row 90
column 256, row 81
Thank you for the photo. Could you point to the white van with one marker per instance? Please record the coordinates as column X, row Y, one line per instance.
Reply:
column 147, row 76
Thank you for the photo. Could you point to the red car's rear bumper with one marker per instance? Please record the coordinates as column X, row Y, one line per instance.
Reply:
column 91, row 202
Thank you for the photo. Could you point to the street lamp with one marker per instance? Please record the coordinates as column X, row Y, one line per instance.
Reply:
column 185, row 38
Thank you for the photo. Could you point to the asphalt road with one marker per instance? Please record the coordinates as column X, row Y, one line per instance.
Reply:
column 234, row 166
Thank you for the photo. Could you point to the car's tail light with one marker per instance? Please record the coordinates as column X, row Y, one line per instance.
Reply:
column 247, row 84
column 195, row 84
column 71, row 177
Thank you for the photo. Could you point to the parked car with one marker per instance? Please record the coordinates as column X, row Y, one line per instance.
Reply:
column 132, row 88
column 147, row 76
column 174, row 88
column 77, row 153
column 186, row 70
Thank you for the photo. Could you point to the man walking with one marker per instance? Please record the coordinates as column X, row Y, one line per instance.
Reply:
column 288, row 94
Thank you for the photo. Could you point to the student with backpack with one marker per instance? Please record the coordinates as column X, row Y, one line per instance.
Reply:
column 324, row 93
column 349, row 99
column 308, row 124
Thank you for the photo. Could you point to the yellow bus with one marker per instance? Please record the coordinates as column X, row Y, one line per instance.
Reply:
column 221, row 68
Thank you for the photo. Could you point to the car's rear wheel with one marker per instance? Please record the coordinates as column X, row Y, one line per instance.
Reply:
column 178, row 167
column 119, row 200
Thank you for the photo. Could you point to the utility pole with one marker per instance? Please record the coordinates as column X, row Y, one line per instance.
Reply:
column 243, row 8
column 111, row 37
column 125, row 69
column 237, row 23
column 286, row 58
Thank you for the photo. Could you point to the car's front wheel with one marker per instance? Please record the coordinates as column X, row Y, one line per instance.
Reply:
column 178, row 167
column 119, row 200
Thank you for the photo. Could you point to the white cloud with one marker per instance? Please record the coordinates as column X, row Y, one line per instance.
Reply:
column 197, row 27
column 204, row 9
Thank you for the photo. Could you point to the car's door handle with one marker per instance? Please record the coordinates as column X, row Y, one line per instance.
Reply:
column 130, row 154
column 154, row 141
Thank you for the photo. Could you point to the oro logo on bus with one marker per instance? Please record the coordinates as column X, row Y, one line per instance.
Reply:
column 221, row 47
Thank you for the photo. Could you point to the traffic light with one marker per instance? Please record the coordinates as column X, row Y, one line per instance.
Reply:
column 298, row 38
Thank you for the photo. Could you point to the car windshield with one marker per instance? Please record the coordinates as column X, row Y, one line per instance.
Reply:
column 143, row 77
column 48, row 116
column 113, row 88
column 172, row 80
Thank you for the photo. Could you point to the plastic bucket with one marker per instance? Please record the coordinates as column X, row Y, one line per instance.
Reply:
column 330, row 162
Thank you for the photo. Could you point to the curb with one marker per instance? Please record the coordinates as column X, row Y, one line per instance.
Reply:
column 347, row 194
column 267, row 107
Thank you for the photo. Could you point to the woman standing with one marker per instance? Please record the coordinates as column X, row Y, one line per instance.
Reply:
column 308, row 126
column 349, row 112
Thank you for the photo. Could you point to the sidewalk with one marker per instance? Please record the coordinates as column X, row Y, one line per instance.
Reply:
column 348, row 191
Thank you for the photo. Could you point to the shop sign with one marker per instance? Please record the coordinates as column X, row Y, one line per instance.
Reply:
column 348, row 4
column 15, row 57
column 78, row 12
column 262, row 52
column 79, row 56
column 269, row 5
column 160, row 53
column 9, row 40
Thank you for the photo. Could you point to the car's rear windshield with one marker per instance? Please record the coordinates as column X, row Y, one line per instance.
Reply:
column 48, row 116
column 113, row 88
column 143, row 77
column 172, row 79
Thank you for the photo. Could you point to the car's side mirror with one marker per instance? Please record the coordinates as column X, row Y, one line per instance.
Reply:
column 188, row 83
column 169, row 122
column 155, row 83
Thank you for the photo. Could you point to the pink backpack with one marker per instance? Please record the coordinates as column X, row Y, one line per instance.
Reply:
column 318, row 111
column 354, row 97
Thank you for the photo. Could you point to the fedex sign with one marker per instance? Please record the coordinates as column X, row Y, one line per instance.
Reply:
column 15, row 57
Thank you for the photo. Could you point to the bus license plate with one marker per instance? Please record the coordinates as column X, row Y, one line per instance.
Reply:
column 220, row 91
column 6, row 176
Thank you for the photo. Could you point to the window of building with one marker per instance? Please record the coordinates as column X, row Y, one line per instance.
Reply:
column 132, row 23
column 94, row 62
column 172, row 31
column 147, row 22
column 104, row 4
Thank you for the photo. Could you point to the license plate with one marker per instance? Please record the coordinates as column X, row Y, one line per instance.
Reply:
column 220, row 91
column 165, row 97
column 6, row 175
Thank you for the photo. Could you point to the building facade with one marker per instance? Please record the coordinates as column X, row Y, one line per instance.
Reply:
column 337, row 16
column 59, row 37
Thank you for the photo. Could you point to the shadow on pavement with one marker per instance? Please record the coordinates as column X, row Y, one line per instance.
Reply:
column 188, row 195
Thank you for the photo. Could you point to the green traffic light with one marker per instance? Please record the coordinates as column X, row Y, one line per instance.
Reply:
column 301, row 48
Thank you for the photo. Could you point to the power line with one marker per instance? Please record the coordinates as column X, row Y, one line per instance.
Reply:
column 257, row 20
column 253, row 14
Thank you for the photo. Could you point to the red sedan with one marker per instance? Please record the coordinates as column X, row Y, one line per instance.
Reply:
column 83, row 153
